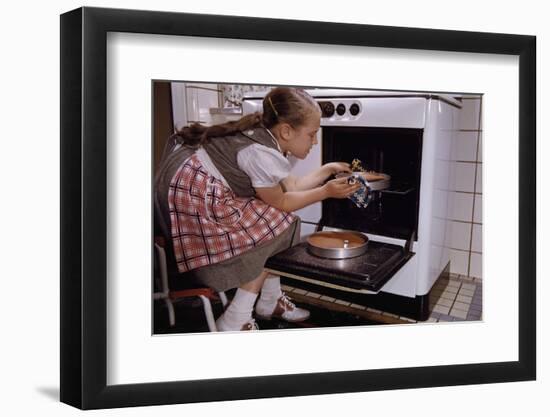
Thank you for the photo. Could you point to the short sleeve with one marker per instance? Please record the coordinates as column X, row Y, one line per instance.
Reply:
column 266, row 167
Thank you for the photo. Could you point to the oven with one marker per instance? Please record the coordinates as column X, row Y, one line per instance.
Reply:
column 407, row 136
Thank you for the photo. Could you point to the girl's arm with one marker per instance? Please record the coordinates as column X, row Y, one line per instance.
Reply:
column 295, row 200
column 315, row 178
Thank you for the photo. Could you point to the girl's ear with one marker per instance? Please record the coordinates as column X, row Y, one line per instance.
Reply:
column 286, row 131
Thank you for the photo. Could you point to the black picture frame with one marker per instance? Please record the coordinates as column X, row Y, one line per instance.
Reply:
column 84, row 207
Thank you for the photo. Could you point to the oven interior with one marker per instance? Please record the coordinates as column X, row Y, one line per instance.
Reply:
column 393, row 151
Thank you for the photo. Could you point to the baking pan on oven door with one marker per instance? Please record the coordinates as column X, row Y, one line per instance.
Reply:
column 369, row 271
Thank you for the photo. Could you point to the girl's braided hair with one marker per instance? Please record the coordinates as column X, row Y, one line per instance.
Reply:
column 281, row 105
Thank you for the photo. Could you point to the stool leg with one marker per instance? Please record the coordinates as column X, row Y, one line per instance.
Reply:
column 171, row 313
column 207, row 307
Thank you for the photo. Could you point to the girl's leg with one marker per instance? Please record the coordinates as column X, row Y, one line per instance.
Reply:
column 255, row 285
column 273, row 303
column 238, row 315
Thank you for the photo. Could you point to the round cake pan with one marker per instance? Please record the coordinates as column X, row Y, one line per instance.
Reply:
column 338, row 244
column 382, row 183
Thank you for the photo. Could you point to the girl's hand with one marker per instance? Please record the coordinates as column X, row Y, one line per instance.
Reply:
column 339, row 188
column 336, row 167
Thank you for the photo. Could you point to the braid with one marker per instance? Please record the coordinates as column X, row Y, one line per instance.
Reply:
column 197, row 134
column 281, row 105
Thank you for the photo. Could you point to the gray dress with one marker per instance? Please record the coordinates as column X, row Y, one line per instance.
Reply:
column 247, row 266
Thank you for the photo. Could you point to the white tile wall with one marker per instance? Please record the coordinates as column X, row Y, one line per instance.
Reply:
column 480, row 148
column 459, row 235
column 464, row 234
column 476, row 265
column 469, row 115
column 479, row 178
column 459, row 262
column 477, row 209
column 465, row 147
column 462, row 204
column 464, row 176
column 476, row 238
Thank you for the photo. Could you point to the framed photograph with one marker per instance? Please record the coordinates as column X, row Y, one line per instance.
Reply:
column 258, row 208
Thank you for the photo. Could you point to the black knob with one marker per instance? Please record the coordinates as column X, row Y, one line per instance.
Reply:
column 340, row 109
column 327, row 108
column 354, row 109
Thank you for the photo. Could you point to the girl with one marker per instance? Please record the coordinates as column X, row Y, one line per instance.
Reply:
column 228, row 197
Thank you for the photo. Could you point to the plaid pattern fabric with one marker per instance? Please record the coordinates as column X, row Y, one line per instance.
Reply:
column 209, row 224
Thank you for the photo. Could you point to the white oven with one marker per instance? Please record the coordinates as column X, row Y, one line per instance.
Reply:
column 408, row 136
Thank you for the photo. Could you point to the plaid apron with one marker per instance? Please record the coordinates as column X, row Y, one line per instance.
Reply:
column 210, row 224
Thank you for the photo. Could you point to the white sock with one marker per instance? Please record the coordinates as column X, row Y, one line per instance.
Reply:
column 271, row 290
column 240, row 310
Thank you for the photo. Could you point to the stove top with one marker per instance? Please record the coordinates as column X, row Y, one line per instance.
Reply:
column 369, row 271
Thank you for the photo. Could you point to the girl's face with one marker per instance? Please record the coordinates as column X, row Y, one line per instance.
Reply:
column 301, row 139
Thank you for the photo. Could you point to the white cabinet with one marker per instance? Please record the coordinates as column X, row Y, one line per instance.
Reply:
column 191, row 102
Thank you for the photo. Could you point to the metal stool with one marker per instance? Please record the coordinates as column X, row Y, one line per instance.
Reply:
column 205, row 294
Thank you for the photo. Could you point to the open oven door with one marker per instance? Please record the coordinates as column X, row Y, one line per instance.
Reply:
column 366, row 273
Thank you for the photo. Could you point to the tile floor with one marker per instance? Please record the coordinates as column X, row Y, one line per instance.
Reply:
column 453, row 298
column 458, row 298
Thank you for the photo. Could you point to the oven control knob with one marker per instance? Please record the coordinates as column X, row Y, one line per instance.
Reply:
column 354, row 109
column 340, row 109
column 327, row 108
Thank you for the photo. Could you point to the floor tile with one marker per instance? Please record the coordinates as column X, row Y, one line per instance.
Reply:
column 458, row 313
column 342, row 302
column 448, row 295
column 464, row 299
column 436, row 293
column 474, row 315
column 454, row 284
column 357, row 306
column 466, row 292
column 441, row 309
column 299, row 291
column 444, row 302
column 445, row 317
column 477, row 301
column 453, row 290
column 326, row 298
column 477, row 307
column 461, row 306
